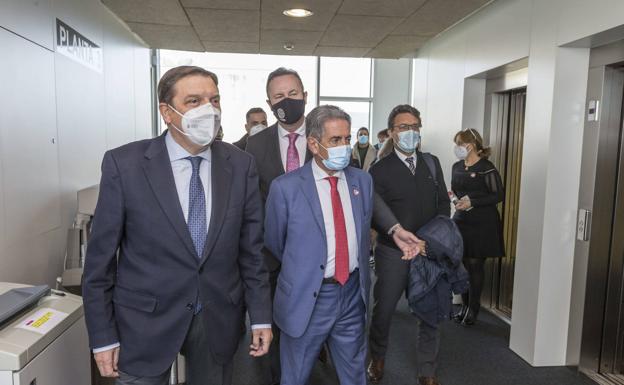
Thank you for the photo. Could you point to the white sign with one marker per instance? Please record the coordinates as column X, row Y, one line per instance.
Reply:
column 42, row 321
column 75, row 46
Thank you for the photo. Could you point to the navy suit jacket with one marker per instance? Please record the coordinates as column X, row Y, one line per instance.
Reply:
column 143, row 276
column 295, row 233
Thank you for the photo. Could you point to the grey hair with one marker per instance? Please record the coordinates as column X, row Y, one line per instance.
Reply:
column 316, row 119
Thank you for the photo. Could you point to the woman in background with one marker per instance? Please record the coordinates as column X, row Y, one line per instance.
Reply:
column 478, row 187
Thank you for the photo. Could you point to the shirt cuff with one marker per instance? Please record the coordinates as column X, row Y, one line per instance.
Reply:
column 261, row 326
column 393, row 229
column 106, row 348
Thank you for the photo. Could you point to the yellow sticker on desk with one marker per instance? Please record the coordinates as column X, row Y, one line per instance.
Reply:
column 42, row 320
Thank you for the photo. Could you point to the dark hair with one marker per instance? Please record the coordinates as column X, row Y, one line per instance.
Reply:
column 282, row 72
column 316, row 119
column 255, row 110
column 171, row 77
column 383, row 133
column 401, row 108
column 362, row 129
column 472, row 136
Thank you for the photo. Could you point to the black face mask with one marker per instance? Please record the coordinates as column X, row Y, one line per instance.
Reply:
column 289, row 111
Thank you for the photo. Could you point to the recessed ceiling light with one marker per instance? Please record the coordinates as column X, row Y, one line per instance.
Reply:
column 289, row 46
column 298, row 12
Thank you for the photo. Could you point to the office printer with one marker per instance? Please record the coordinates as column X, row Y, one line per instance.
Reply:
column 43, row 338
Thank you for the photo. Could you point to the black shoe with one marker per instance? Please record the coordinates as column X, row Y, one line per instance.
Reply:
column 470, row 318
column 459, row 316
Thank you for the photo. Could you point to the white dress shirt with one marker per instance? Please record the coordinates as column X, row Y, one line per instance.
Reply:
column 324, row 192
column 300, row 143
column 402, row 156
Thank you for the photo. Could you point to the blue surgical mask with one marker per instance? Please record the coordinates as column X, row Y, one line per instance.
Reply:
column 363, row 139
column 337, row 157
column 408, row 140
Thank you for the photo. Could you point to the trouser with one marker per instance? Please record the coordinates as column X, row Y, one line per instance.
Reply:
column 269, row 364
column 201, row 368
column 392, row 278
column 476, row 272
column 338, row 318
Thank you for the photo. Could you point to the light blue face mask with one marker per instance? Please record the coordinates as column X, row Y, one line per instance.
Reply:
column 408, row 140
column 363, row 139
column 338, row 157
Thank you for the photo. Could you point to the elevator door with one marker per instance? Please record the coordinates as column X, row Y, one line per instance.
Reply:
column 507, row 132
column 612, row 352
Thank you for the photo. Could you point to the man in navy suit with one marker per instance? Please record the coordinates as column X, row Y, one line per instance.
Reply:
column 317, row 225
column 176, row 247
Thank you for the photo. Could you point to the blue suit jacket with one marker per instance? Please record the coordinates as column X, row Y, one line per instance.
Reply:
column 295, row 233
column 144, row 298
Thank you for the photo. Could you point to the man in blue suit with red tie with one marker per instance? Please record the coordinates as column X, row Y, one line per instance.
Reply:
column 317, row 224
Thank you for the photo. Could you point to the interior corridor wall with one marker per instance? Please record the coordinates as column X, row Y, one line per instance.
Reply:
column 59, row 118
column 546, row 312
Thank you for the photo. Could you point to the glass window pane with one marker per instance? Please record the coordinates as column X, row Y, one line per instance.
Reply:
column 242, row 82
column 349, row 77
column 359, row 112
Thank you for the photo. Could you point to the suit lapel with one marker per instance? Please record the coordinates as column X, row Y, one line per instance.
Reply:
column 273, row 151
column 221, row 181
column 355, row 192
column 308, row 187
column 157, row 168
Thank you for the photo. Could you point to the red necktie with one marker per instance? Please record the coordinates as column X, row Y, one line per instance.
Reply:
column 341, row 273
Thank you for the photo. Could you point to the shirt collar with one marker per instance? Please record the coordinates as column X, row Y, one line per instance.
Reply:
column 177, row 152
column 403, row 156
column 320, row 174
column 283, row 133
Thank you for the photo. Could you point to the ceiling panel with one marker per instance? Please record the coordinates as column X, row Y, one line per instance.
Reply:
column 148, row 11
column 225, row 25
column 358, row 31
column 232, row 47
column 323, row 50
column 177, row 37
column 222, row 4
column 396, row 46
column 398, row 8
column 435, row 16
column 273, row 17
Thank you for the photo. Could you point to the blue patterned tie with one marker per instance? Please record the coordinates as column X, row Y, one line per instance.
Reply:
column 197, row 208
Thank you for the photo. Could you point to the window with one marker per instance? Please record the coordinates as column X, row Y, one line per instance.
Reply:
column 242, row 82
column 347, row 83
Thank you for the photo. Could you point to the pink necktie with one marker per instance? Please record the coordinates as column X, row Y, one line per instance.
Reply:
column 341, row 273
column 292, row 155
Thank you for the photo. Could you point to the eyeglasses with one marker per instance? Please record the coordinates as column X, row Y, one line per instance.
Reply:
column 405, row 127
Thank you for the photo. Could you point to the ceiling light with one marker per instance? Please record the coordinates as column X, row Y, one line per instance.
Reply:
column 298, row 12
column 289, row 46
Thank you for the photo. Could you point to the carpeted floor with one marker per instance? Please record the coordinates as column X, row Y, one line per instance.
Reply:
column 478, row 355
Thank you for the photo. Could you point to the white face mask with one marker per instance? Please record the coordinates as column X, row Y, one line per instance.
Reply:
column 256, row 129
column 461, row 152
column 200, row 123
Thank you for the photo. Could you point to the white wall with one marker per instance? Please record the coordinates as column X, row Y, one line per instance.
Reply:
column 501, row 33
column 391, row 87
column 60, row 117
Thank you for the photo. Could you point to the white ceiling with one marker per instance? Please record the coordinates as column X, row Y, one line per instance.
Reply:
column 355, row 28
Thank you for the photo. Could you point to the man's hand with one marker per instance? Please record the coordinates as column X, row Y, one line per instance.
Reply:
column 107, row 362
column 261, row 339
column 409, row 244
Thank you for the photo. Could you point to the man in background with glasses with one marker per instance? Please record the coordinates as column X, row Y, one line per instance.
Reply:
column 411, row 183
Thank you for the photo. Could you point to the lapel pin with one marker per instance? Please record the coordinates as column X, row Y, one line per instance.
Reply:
column 356, row 192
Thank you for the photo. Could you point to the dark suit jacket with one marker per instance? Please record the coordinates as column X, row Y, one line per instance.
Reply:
column 265, row 148
column 242, row 142
column 144, row 298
